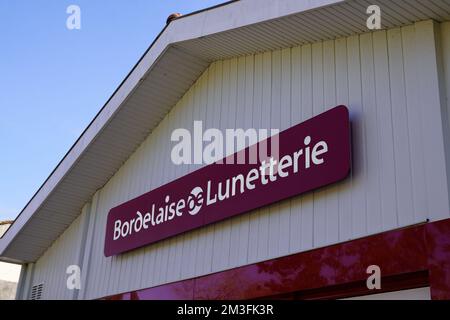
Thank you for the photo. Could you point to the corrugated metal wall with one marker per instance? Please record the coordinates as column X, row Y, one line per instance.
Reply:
column 445, row 78
column 387, row 80
column 50, row 269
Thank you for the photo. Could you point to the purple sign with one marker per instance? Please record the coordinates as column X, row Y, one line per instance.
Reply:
column 312, row 154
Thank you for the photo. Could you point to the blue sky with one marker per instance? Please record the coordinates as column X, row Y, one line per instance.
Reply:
column 54, row 80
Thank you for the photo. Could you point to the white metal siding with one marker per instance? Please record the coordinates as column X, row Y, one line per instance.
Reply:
column 445, row 78
column 50, row 269
column 386, row 80
column 445, row 46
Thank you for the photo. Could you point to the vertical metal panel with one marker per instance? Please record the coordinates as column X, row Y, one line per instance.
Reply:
column 400, row 125
column 359, row 167
column 411, row 60
column 27, row 282
column 274, row 122
column 329, row 91
column 444, row 45
column 371, row 137
column 50, row 269
column 385, row 133
column 223, row 102
column 319, row 203
column 263, row 228
column 254, row 217
column 375, row 74
column 431, row 113
column 295, row 221
column 342, row 97
column 285, row 107
column 306, row 112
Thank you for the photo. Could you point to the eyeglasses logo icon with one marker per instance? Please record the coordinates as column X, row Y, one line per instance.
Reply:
column 195, row 201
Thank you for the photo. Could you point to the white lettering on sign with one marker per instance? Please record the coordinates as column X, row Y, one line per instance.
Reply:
column 269, row 171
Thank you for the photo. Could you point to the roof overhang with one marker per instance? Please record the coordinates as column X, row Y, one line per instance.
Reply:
column 174, row 61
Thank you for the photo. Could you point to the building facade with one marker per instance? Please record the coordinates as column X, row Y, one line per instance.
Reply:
column 263, row 64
